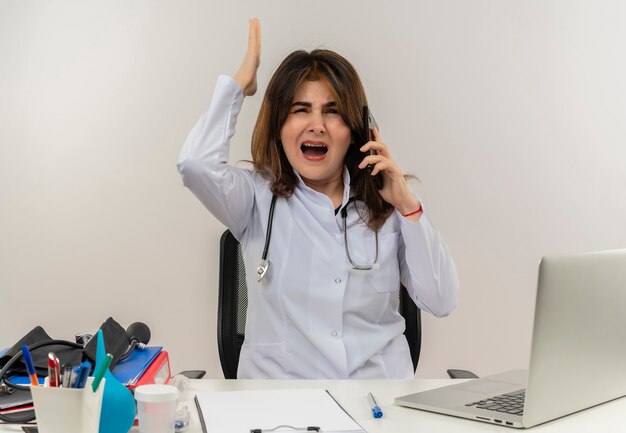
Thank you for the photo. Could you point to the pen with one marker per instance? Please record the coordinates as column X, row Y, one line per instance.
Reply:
column 67, row 376
column 30, row 367
column 99, row 374
column 54, row 370
column 376, row 412
column 79, row 374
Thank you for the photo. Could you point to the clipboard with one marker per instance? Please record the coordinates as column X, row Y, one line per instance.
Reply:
column 265, row 410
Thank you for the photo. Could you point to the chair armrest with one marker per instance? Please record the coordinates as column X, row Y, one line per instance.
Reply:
column 193, row 374
column 461, row 374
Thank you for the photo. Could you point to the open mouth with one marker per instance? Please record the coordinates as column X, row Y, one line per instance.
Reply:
column 314, row 150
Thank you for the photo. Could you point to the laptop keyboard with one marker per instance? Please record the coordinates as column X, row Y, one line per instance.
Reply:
column 512, row 403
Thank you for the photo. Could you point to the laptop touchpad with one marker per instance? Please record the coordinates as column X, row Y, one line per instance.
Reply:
column 487, row 387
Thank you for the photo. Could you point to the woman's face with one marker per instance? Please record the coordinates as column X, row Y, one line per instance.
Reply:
column 314, row 135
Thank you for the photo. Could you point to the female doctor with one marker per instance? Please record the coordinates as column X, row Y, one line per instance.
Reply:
column 324, row 249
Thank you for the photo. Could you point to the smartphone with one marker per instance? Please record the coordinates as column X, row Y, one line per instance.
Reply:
column 369, row 124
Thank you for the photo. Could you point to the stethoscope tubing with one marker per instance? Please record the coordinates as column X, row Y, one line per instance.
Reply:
column 270, row 223
column 264, row 265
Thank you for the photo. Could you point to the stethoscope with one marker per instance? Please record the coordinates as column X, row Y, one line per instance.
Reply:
column 265, row 263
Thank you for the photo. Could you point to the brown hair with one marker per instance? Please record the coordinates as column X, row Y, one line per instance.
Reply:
column 268, row 156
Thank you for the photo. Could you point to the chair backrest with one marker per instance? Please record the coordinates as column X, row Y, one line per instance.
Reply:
column 233, row 303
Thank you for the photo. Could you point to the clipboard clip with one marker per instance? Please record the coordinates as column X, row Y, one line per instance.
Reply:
column 293, row 429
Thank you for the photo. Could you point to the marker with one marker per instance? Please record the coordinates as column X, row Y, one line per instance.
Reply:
column 30, row 367
column 101, row 369
column 376, row 412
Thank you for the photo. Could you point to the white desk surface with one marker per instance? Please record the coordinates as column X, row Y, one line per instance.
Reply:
column 351, row 394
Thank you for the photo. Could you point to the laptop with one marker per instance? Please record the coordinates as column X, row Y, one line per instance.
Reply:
column 578, row 351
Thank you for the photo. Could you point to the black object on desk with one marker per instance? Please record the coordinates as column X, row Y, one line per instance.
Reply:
column 10, row 397
column 294, row 429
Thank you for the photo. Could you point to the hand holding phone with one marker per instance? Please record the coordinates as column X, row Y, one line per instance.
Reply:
column 369, row 124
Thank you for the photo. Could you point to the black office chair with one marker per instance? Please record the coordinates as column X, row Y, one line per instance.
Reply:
column 233, row 303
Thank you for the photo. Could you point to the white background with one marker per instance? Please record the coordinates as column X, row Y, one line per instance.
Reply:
column 512, row 114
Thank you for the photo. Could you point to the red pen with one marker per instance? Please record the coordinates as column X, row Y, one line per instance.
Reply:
column 54, row 370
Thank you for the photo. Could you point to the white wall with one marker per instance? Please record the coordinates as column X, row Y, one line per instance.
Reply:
column 512, row 113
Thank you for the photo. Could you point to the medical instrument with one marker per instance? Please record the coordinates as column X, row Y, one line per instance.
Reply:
column 344, row 216
column 137, row 333
column 264, row 265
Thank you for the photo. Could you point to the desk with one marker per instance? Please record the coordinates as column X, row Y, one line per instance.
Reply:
column 351, row 394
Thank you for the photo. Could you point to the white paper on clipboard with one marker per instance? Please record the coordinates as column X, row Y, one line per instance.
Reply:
column 242, row 411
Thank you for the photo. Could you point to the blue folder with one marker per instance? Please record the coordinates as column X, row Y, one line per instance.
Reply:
column 130, row 370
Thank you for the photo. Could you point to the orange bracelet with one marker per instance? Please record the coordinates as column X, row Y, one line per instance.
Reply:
column 419, row 209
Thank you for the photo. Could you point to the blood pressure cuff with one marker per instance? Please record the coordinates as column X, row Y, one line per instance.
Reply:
column 115, row 341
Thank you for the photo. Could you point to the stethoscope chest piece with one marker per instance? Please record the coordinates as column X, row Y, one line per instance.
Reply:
column 262, row 269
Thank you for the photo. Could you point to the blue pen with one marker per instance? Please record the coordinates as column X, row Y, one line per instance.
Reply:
column 82, row 372
column 30, row 367
column 376, row 412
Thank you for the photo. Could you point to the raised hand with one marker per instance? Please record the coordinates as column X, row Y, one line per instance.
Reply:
column 246, row 75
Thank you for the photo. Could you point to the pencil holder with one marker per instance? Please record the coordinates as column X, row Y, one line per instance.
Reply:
column 67, row 410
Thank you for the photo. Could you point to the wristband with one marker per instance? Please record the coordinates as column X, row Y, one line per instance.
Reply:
column 419, row 209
